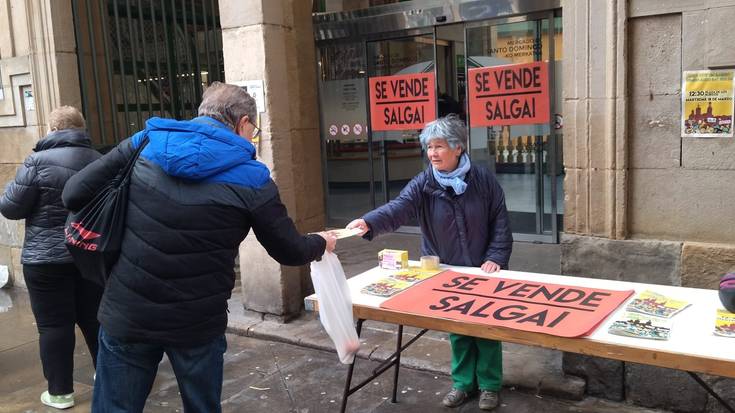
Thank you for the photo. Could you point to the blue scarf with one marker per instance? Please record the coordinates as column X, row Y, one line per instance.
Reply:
column 455, row 178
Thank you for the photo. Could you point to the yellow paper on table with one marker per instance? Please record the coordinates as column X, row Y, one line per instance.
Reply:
column 414, row 274
column 725, row 323
column 653, row 303
column 385, row 287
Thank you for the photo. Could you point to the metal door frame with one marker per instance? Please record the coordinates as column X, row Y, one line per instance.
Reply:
column 540, row 235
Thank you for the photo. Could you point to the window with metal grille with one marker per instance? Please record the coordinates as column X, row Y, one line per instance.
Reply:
column 144, row 58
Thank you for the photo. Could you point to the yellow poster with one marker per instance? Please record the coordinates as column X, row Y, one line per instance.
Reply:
column 707, row 103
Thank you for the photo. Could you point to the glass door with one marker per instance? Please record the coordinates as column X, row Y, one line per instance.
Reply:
column 396, row 154
column 525, row 156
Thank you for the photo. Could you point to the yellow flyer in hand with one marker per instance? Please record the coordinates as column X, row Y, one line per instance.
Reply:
column 725, row 323
column 653, row 303
column 414, row 274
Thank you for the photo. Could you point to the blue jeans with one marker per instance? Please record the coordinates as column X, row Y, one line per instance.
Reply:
column 125, row 374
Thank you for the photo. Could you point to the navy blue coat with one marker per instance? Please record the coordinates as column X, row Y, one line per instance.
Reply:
column 465, row 230
column 35, row 194
column 196, row 192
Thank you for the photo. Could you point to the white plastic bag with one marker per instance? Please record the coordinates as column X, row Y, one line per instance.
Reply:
column 335, row 305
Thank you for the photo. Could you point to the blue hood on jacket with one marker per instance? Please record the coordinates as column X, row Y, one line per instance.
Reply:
column 201, row 149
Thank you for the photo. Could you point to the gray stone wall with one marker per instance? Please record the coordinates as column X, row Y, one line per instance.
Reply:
column 666, row 215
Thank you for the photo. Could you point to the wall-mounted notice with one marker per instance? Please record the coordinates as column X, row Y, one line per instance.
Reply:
column 509, row 95
column 707, row 103
column 256, row 90
column 402, row 102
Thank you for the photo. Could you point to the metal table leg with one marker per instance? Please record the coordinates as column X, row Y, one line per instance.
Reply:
column 393, row 359
column 346, row 393
column 399, row 340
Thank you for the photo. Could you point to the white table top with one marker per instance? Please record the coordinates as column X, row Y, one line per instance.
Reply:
column 691, row 333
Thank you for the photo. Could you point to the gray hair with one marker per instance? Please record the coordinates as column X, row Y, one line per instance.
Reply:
column 451, row 128
column 227, row 104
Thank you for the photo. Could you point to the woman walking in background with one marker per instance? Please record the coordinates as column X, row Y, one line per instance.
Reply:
column 60, row 297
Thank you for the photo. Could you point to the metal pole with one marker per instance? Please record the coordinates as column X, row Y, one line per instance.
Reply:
column 553, row 137
column 371, row 167
column 104, row 15
column 540, row 171
column 206, row 43
column 399, row 340
column 158, row 63
column 188, row 76
column 134, row 58
column 170, row 60
column 147, row 78
column 217, row 48
column 121, row 63
column 80, row 56
column 95, row 76
column 350, row 370
column 198, row 72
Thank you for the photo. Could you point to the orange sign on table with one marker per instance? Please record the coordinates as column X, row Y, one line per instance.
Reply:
column 560, row 310
column 509, row 95
column 402, row 102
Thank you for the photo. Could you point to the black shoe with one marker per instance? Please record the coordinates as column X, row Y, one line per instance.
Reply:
column 488, row 399
column 455, row 398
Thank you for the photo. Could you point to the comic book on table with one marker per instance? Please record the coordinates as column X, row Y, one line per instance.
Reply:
column 724, row 323
column 640, row 325
column 385, row 287
column 655, row 304
column 398, row 281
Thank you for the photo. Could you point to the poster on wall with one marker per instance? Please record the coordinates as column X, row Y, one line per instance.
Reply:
column 402, row 102
column 707, row 104
column 516, row 94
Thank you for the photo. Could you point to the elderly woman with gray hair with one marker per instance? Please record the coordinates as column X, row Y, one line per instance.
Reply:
column 461, row 211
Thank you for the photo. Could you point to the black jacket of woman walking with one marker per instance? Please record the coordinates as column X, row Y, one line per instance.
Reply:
column 35, row 194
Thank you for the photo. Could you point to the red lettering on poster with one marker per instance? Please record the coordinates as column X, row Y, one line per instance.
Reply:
column 402, row 102
column 509, row 95
column 559, row 310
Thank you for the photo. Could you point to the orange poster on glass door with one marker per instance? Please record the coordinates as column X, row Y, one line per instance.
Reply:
column 402, row 102
column 509, row 95
column 559, row 310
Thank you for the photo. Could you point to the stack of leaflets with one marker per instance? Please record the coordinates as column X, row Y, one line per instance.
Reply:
column 725, row 323
column 648, row 315
column 398, row 281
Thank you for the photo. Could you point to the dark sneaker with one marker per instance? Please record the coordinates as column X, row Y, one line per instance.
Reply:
column 455, row 398
column 488, row 400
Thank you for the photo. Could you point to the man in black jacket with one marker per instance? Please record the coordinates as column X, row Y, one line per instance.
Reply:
column 60, row 297
column 195, row 193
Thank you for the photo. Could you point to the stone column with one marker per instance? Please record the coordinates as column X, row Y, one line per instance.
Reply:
column 273, row 40
column 595, row 101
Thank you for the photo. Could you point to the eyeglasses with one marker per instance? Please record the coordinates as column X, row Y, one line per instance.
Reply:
column 256, row 130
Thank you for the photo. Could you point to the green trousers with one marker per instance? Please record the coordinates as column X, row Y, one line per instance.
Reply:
column 476, row 363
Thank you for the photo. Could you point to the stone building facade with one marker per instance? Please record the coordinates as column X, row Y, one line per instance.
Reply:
column 641, row 203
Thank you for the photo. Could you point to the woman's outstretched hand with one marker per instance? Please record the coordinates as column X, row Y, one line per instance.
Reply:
column 359, row 224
